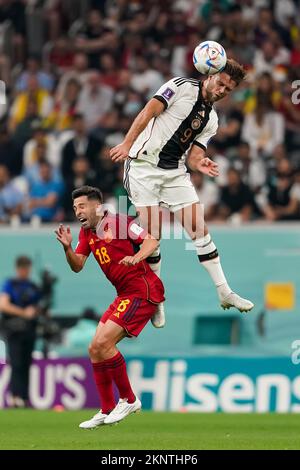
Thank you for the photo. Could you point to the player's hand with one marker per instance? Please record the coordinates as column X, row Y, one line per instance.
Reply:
column 271, row 216
column 30, row 312
column 129, row 261
column 119, row 153
column 208, row 167
column 64, row 236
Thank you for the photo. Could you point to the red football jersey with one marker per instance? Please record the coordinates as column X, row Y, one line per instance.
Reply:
column 119, row 236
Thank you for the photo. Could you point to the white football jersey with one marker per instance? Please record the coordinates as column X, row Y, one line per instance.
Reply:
column 186, row 120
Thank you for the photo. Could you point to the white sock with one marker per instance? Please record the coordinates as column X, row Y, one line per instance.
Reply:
column 154, row 261
column 209, row 258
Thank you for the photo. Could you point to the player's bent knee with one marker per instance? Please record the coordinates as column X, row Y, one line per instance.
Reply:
column 92, row 350
column 99, row 346
column 206, row 249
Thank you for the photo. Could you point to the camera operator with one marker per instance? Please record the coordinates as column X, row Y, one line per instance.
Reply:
column 19, row 307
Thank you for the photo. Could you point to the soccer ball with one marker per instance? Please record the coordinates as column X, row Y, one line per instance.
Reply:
column 209, row 57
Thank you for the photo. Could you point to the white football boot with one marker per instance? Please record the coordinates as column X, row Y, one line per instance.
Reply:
column 122, row 410
column 158, row 320
column 94, row 422
column 234, row 300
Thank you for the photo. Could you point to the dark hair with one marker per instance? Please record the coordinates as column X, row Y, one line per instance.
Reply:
column 235, row 71
column 73, row 81
column 244, row 143
column 232, row 169
column 81, row 157
column 78, row 116
column 44, row 161
column 90, row 314
column 35, row 57
column 89, row 191
column 23, row 261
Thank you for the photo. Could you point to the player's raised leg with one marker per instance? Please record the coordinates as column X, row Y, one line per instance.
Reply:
column 192, row 219
column 150, row 219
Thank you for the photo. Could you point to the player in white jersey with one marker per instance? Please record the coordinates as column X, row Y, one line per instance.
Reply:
column 176, row 123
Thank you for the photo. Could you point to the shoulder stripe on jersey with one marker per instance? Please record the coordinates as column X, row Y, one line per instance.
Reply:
column 193, row 84
column 185, row 78
column 180, row 81
column 188, row 81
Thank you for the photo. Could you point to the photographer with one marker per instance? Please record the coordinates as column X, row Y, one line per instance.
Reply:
column 19, row 307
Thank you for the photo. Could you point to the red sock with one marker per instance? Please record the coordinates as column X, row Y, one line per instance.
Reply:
column 117, row 367
column 103, row 380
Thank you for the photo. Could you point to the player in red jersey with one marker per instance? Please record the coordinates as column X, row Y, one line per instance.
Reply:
column 114, row 241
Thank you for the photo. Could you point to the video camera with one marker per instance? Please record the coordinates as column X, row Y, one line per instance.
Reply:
column 47, row 329
column 47, row 281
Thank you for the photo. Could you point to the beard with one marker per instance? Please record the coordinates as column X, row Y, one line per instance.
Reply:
column 210, row 97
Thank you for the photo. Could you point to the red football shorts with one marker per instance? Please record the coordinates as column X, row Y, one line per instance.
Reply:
column 130, row 312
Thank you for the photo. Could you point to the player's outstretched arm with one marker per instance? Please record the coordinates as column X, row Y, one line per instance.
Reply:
column 75, row 260
column 147, row 247
column 197, row 161
column 152, row 109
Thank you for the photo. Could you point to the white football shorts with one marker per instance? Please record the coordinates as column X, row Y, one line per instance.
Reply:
column 149, row 185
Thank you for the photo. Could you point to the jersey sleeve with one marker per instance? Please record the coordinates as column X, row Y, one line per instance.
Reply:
column 168, row 93
column 6, row 288
column 83, row 247
column 202, row 140
column 136, row 233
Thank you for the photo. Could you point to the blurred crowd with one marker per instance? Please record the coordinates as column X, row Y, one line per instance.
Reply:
column 77, row 72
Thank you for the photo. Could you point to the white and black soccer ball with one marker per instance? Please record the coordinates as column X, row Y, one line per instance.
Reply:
column 209, row 57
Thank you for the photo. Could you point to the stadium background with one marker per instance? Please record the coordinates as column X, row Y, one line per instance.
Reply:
column 76, row 73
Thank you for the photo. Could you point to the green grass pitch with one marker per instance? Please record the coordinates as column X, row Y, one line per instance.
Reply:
column 30, row 429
